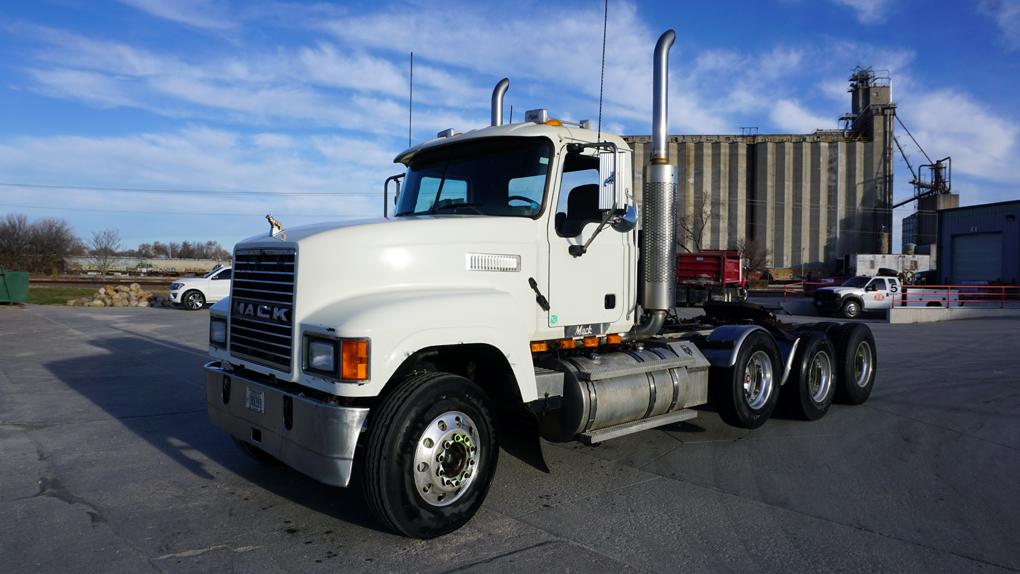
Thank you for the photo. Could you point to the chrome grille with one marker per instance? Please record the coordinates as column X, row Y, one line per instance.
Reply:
column 262, row 306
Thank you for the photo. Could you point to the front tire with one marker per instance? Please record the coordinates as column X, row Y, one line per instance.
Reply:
column 430, row 455
column 809, row 392
column 851, row 309
column 193, row 300
column 746, row 393
column 857, row 363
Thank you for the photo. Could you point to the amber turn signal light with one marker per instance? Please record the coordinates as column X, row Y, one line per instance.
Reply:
column 354, row 359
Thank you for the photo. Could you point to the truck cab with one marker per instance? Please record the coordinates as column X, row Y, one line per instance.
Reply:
column 510, row 298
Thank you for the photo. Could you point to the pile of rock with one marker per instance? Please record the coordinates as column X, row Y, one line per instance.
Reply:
column 121, row 296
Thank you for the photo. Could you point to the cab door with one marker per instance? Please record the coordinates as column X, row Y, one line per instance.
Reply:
column 876, row 294
column 586, row 292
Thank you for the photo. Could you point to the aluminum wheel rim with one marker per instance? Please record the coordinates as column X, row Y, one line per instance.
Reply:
column 758, row 380
column 851, row 309
column 862, row 364
column 447, row 458
column 819, row 377
column 193, row 301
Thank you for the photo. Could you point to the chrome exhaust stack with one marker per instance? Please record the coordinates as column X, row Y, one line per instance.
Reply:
column 658, row 240
column 497, row 101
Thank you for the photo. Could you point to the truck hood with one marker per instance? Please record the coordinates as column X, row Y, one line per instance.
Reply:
column 839, row 290
column 342, row 260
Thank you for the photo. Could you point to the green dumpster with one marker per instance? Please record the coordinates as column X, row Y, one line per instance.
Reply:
column 13, row 287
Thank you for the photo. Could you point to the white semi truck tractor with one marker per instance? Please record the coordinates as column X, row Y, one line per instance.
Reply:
column 510, row 297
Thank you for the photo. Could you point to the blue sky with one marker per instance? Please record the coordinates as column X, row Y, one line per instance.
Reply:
column 311, row 98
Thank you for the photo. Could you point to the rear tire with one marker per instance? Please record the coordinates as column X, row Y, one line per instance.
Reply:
column 430, row 455
column 857, row 363
column 746, row 394
column 811, row 387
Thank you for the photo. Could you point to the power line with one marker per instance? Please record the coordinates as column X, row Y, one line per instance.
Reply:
column 155, row 190
column 217, row 214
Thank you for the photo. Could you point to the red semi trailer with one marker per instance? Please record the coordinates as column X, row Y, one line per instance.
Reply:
column 710, row 275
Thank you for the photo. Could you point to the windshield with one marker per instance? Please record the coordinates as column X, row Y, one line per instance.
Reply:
column 498, row 176
column 213, row 272
column 856, row 282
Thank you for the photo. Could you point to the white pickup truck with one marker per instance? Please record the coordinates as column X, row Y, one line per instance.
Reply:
column 857, row 295
column 193, row 293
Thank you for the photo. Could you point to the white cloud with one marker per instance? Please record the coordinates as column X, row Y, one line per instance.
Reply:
column 983, row 144
column 200, row 157
column 793, row 116
column 1007, row 17
column 201, row 14
column 868, row 11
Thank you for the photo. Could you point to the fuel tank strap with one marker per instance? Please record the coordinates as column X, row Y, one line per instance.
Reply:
column 599, row 374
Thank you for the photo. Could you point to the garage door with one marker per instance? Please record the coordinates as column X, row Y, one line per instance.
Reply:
column 977, row 258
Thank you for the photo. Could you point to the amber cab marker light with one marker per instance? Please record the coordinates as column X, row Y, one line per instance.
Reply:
column 354, row 359
column 591, row 341
column 568, row 343
column 613, row 339
column 539, row 347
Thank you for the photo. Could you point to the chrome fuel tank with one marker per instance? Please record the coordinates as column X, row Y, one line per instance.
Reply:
column 605, row 390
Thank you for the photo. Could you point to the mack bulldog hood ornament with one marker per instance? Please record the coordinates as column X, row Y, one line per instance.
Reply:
column 275, row 227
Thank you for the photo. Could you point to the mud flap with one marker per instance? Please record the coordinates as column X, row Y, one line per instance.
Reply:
column 519, row 437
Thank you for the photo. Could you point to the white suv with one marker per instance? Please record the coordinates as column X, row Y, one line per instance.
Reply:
column 858, row 294
column 194, row 292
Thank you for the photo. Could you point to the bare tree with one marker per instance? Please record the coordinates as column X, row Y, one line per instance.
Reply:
column 104, row 247
column 14, row 241
column 754, row 253
column 37, row 247
column 692, row 227
column 52, row 240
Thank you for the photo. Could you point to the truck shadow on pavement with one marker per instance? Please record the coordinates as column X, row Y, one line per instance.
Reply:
column 156, row 390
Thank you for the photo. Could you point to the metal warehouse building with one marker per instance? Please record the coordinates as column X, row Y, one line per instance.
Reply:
column 979, row 244
column 807, row 199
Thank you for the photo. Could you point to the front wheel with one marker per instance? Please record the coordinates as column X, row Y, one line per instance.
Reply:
column 851, row 309
column 746, row 393
column 193, row 300
column 431, row 454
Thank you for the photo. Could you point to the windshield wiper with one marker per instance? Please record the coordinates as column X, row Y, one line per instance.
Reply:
column 472, row 206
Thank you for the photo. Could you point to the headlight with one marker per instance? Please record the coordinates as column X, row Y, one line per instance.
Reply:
column 320, row 355
column 175, row 286
column 218, row 332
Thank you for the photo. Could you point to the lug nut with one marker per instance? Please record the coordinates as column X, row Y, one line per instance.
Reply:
column 423, row 467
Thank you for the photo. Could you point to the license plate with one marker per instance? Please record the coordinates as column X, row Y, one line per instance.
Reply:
column 256, row 400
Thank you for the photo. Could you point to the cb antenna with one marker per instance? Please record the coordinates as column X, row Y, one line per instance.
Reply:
column 602, row 76
column 410, row 100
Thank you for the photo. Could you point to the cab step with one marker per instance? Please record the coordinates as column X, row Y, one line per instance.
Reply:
column 602, row 435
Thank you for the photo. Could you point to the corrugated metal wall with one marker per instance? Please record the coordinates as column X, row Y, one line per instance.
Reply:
column 1002, row 219
column 807, row 199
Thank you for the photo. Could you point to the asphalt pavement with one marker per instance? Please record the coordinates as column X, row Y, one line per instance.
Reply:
column 108, row 463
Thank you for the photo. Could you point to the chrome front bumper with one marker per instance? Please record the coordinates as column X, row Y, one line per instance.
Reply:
column 320, row 441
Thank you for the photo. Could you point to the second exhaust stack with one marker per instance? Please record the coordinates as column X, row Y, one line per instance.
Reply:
column 658, row 241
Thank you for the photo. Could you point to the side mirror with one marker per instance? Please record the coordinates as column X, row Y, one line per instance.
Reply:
column 396, row 179
column 871, row 287
column 625, row 221
column 608, row 199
